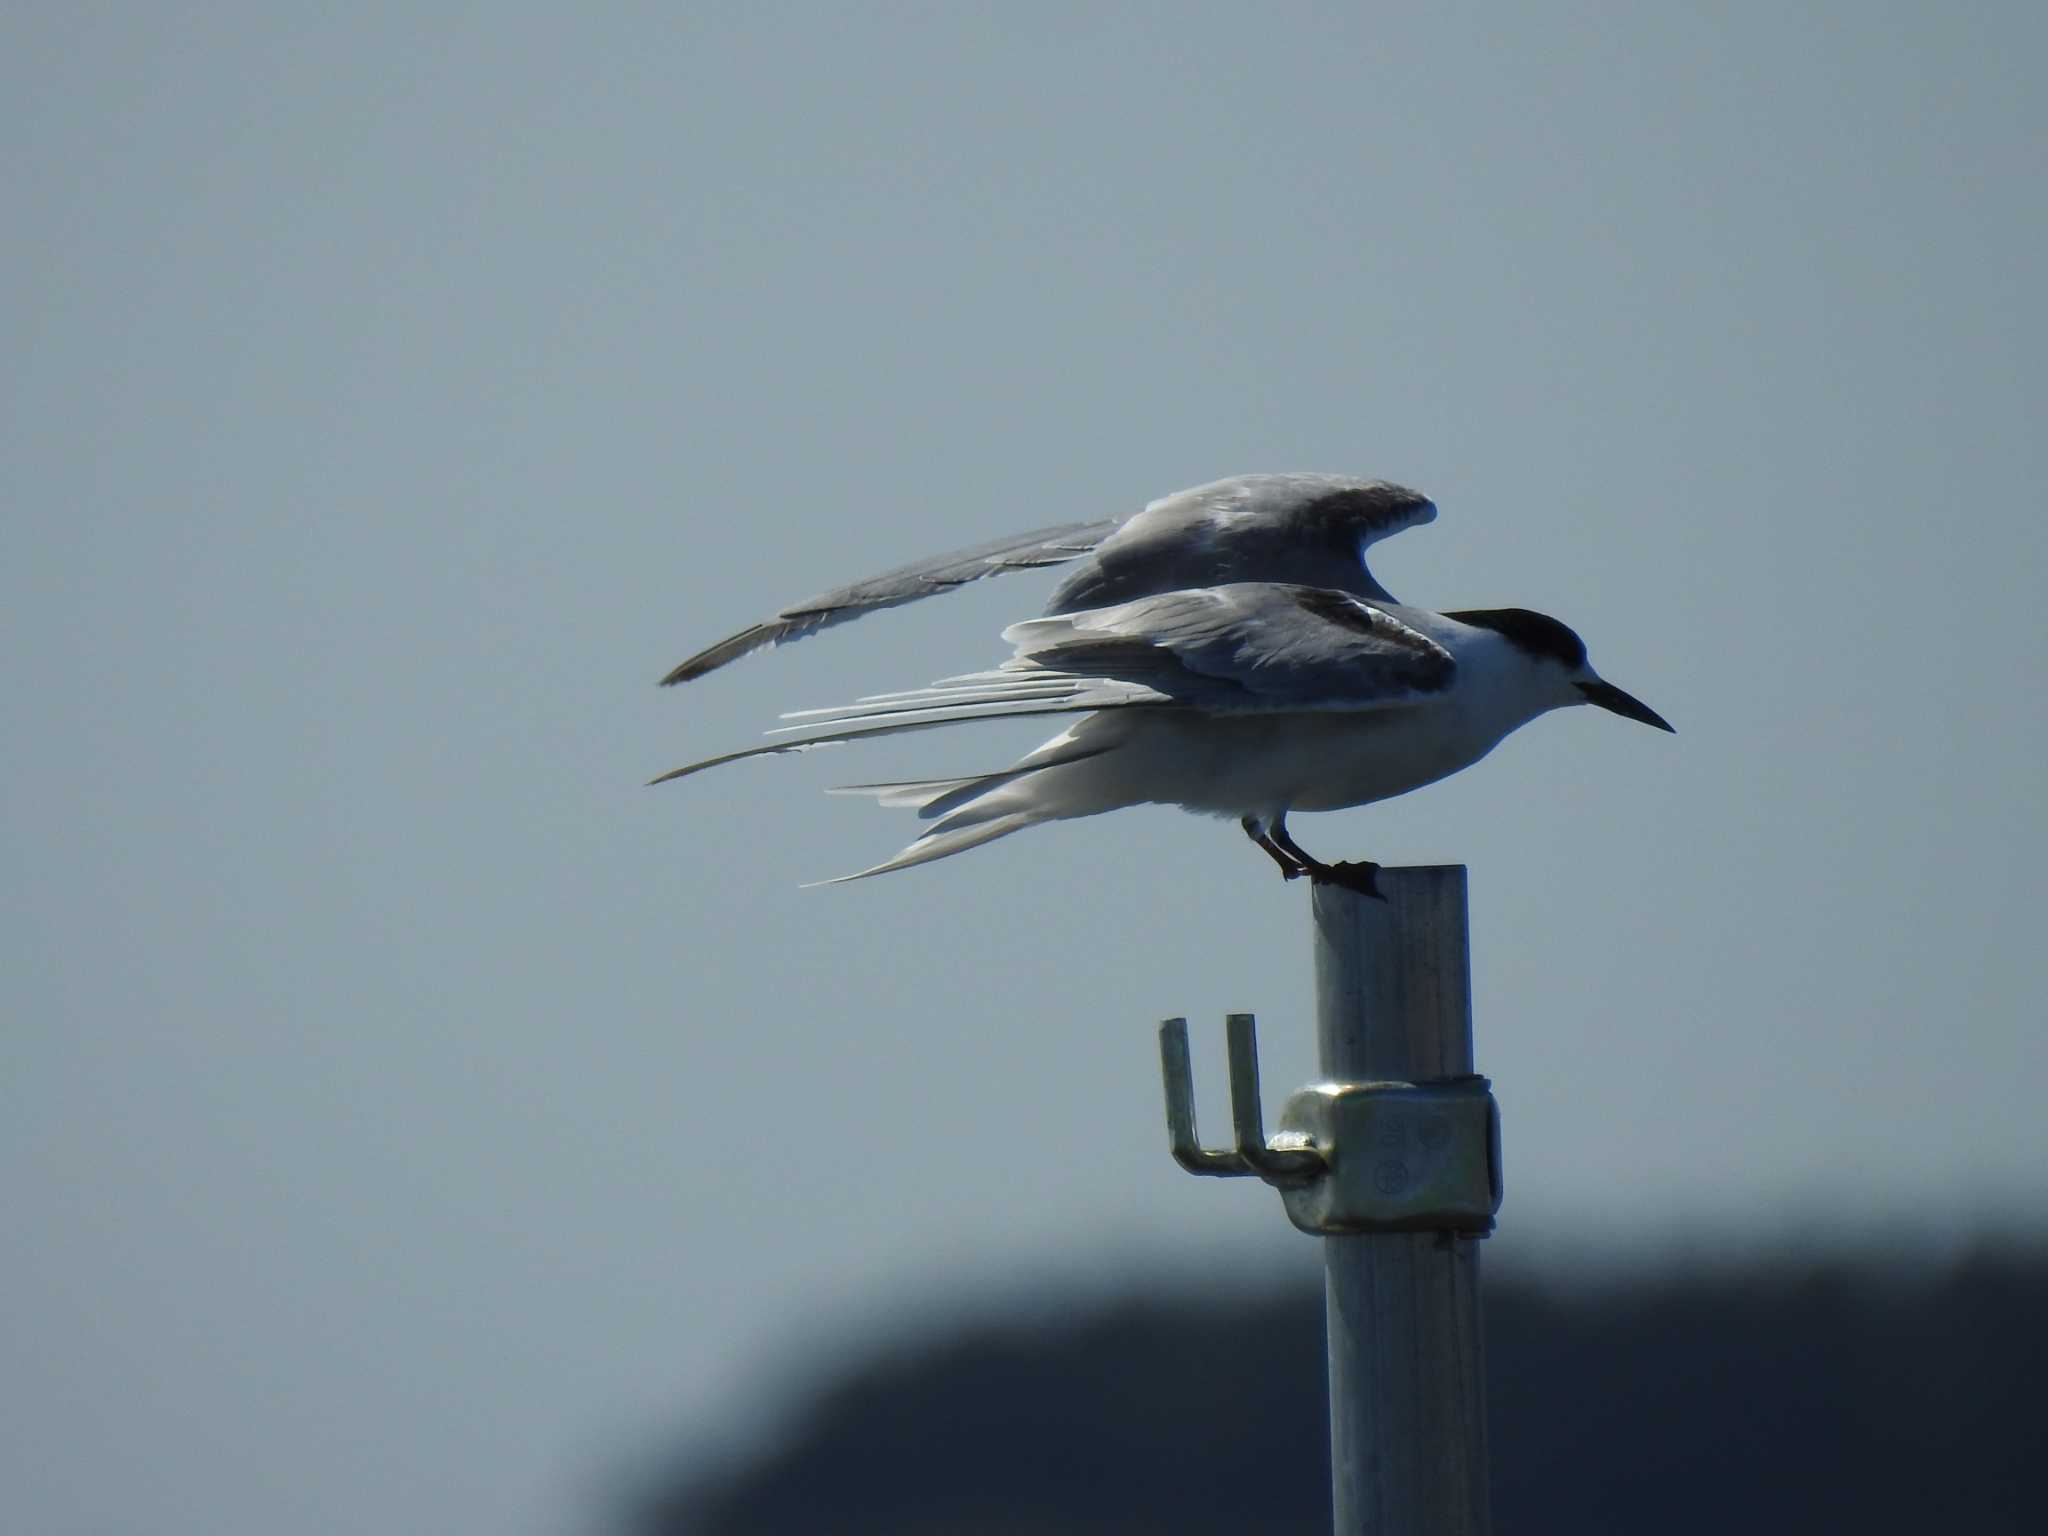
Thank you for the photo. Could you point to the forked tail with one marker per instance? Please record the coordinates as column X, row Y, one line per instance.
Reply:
column 983, row 807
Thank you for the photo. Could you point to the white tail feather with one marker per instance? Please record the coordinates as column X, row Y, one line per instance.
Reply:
column 938, row 844
column 908, row 794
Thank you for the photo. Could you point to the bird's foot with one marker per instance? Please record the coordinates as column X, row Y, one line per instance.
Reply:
column 1360, row 875
column 1295, row 861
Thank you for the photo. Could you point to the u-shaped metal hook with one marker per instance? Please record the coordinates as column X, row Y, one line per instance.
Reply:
column 1251, row 1154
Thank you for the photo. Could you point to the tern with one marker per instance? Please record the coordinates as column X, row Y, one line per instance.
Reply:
column 1231, row 656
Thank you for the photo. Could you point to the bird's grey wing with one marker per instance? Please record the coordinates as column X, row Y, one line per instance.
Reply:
column 905, row 584
column 1242, row 648
column 1304, row 528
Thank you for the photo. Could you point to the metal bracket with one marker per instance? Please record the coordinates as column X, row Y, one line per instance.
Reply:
column 1349, row 1157
column 1279, row 1162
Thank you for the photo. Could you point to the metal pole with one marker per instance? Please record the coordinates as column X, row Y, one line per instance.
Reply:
column 1407, row 1378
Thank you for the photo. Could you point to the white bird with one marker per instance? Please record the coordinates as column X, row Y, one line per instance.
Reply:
column 1243, row 698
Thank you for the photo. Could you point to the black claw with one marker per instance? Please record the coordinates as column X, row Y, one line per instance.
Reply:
column 1360, row 875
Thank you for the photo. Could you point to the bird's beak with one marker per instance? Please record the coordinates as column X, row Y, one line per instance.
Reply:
column 1627, row 705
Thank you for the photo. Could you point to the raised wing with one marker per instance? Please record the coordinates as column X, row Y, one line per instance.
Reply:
column 905, row 584
column 1303, row 528
column 1255, row 647
column 1312, row 530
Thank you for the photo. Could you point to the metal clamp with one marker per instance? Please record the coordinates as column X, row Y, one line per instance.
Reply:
column 1349, row 1157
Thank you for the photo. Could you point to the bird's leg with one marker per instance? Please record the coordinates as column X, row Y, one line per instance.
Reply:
column 1294, row 850
column 1360, row 875
column 1292, row 865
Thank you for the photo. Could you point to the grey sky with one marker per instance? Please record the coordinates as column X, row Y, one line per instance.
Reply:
column 408, row 1120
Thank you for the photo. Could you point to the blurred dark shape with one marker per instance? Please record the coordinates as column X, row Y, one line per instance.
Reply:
column 1836, row 1397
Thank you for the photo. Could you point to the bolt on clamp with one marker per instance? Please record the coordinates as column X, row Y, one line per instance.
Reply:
column 1348, row 1157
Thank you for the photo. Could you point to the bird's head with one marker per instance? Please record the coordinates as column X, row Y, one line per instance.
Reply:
column 1556, row 658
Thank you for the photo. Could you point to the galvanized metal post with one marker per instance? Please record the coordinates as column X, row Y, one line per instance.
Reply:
column 1407, row 1381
